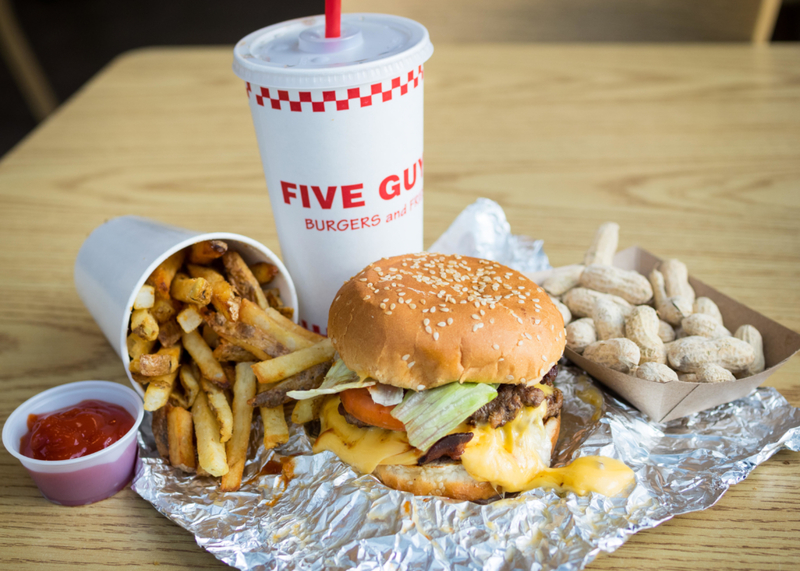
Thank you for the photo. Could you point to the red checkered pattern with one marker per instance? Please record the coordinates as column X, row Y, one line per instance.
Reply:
column 341, row 100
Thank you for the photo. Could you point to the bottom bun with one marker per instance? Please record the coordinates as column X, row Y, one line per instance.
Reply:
column 451, row 479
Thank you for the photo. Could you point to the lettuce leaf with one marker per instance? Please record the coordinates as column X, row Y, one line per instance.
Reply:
column 338, row 379
column 430, row 415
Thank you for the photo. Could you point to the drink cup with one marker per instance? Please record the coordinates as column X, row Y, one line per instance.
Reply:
column 339, row 124
column 117, row 257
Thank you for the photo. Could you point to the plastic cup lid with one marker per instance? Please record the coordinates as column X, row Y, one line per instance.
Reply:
column 297, row 55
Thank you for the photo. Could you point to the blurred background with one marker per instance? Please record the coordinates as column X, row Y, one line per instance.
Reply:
column 50, row 48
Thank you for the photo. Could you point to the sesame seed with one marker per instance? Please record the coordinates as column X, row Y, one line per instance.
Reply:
column 388, row 313
column 537, row 310
column 501, row 359
column 393, row 306
column 537, row 321
column 536, row 299
column 539, row 337
column 424, row 311
column 401, row 294
column 363, row 279
column 385, row 300
column 510, row 377
column 405, row 357
column 476, row 316
column 522, row 380
column 477, row 326
column 428, row 329
column 382, row 306
column 519, row 344
column 552, row 327
column 446, row 310
column 544, row 358
column 426, row 321
column 412, row 305
column 528, row 335
column 519, row 319
column 491, row 320
column 496, row 347
column 477, row 304
column 433, row 310
column 483, row 312
column 449, row 320
column 521, row 301
column 435, row 335
column 441, row 324
column 400, row 300
column 367, row 297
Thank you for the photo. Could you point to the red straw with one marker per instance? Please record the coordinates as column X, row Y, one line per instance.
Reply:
column 333, row 18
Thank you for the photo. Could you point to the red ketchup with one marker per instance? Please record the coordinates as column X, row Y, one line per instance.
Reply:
column 75, row 431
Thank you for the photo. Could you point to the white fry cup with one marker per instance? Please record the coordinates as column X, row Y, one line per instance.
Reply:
column 117, row 258
column 339, row 123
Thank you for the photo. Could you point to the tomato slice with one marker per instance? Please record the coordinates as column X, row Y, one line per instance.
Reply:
column 359, row 403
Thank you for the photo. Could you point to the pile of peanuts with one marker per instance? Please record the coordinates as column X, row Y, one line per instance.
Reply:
column 651, row 327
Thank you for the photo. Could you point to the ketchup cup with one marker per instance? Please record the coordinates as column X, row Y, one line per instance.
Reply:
column 93, row 477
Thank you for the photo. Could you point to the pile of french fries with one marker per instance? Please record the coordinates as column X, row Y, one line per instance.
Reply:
column 210, row 340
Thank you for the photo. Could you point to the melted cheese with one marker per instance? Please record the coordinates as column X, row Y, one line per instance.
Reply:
column 362, row 448
column 511, row 455
column 514, row 457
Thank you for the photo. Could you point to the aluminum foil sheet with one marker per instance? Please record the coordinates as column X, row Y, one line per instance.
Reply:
column 317, row 513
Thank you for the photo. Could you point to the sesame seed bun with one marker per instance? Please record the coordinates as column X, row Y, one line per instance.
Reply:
column 450, row 479
column 423, row 320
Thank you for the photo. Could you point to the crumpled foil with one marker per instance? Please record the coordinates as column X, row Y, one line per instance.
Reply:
column 317, row 513
column 482, row 231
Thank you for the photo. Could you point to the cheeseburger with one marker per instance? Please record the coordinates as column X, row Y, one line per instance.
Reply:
column 443, row 384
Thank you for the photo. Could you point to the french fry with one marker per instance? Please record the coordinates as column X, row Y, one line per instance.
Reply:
column 249, row 337
column 293, row 327
column 191, row 290
column 150, row 365
column 169, row 333
column 190, row 383
column 145, row 298
column 285, row 366
column 177, row 397
column 202, row 355
column 210, row 336
column 144, row 324
column 275, row 395
column 164, row 309
column 222, row 409
column 210, row 451
column 243, row 279
column 138, row 346
column 161, row 432
column 307, row 410
column 252, row 314
column 276, row 431
column 189, row 319
column 227, row 351
column 223, row 297
column 158, row 390
column 162, row 276
column 274, row 300
column 181, row 443
column 236, row 448
column 264, row 272
column 165, row 361
column 207, row 251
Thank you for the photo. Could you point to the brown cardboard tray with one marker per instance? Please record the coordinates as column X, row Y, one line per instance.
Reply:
column 667, row 401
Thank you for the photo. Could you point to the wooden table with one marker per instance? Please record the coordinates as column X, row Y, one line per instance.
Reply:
column 694, row 150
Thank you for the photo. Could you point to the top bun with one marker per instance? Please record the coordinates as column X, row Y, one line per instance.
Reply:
column 424, row 320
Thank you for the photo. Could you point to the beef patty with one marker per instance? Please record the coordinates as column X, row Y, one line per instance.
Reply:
column 511, row 398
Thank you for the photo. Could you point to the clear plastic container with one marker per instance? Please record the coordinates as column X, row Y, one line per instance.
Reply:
column 88, row 479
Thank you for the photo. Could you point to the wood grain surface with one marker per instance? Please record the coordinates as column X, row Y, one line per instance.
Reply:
column 694, row 150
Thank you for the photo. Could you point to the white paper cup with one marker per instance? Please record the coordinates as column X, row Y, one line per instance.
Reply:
column 339, row 123
column 85, row 480
column 118, row 257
